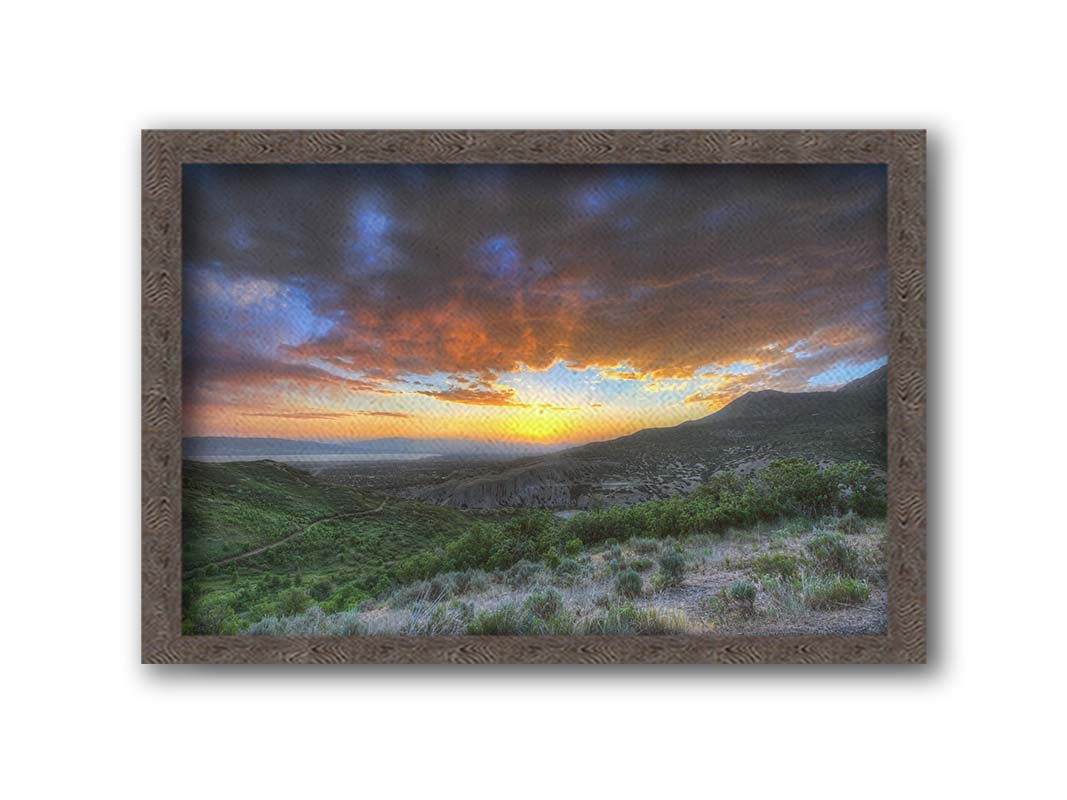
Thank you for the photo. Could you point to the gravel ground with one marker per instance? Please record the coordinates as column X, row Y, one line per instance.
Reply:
column 713, row 563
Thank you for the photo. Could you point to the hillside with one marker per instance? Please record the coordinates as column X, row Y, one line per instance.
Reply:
column 842, row 425
column 251, row 530
column 790, row 549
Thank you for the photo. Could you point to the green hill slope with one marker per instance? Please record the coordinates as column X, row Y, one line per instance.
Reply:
column 261, row 537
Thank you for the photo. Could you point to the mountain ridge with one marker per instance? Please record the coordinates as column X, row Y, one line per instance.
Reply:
column 848, row 423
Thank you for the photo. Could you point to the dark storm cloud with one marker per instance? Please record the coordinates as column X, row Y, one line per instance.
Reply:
column 380, row 273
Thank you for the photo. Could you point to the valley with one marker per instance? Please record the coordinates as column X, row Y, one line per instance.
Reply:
column 759, row 518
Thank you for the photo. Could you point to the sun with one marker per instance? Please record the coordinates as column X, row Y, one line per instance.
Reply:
column 542, row 424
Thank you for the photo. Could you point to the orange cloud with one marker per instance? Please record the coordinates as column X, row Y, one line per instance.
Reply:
column 378, row 279
column 476, row 397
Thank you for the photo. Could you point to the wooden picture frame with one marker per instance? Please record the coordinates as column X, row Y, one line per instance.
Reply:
column 164, row 153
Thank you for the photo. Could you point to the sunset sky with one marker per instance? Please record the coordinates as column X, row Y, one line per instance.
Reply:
column 533, row 303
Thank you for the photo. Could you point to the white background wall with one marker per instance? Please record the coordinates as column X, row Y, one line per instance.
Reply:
column 80, row 714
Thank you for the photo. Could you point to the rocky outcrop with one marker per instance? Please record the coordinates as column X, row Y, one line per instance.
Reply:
column 555, row 484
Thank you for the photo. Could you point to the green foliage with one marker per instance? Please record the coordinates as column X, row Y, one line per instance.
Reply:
column 628, row 583
column 794, row 526
column 313, row 622
column 782, row 565
column 218, row 619
column 510, row 620
column 544, row 604
column 444, row 619
column 850, row 523
column 358, row 546
column 569, row 570
column 721, row 487
column 337, row 547
column 440, row 587
column 506, row 620
column 860, row 490
column 345, row 598
column 470, row 580
column 790, row 487
column 832, row 554
column 321, row 589
column 742, row 592
column 644, row 545
column 835, row 591
column 522, row 573
column 671, row 568
column 293, row 601
column 796, row 486
column 629, row 621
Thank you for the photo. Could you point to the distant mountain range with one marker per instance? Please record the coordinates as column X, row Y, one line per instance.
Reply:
column 758, row 427
column 195, row 447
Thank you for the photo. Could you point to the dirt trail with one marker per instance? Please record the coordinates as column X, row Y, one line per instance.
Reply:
column 256, row 551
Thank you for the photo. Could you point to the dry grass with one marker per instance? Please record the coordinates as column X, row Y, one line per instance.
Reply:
column 779, row 586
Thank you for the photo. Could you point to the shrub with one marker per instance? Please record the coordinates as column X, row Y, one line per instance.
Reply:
column 439, row 587
column 797, row 486
column 313, row 622
column 509, row 620
column 794, row 526
column 850, row 523
column 293, row 601
column 345, row 598
column 419, row 566
column 568, row 571
column 569, row 566
column 347, row 623
column 832, row 554
column 628, row 583
column 522, row 573
column 573, row 547
column 644, row 545
column 629, row 621
column 835, row 591
column 470, row 580
column 503, row 621
column 445, row 619
column 641, row 564
column 782, row 565
column 858, row 488
column 742, row 592
column 218, row 619
column 544, row 604
column 722, row 486
column 321, row 589
column 672, row 568
column 562, row 623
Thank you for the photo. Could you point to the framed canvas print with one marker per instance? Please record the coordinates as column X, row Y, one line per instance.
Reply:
column 533, row 396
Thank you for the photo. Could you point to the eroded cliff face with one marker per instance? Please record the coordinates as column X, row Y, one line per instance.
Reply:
column 551, row 485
